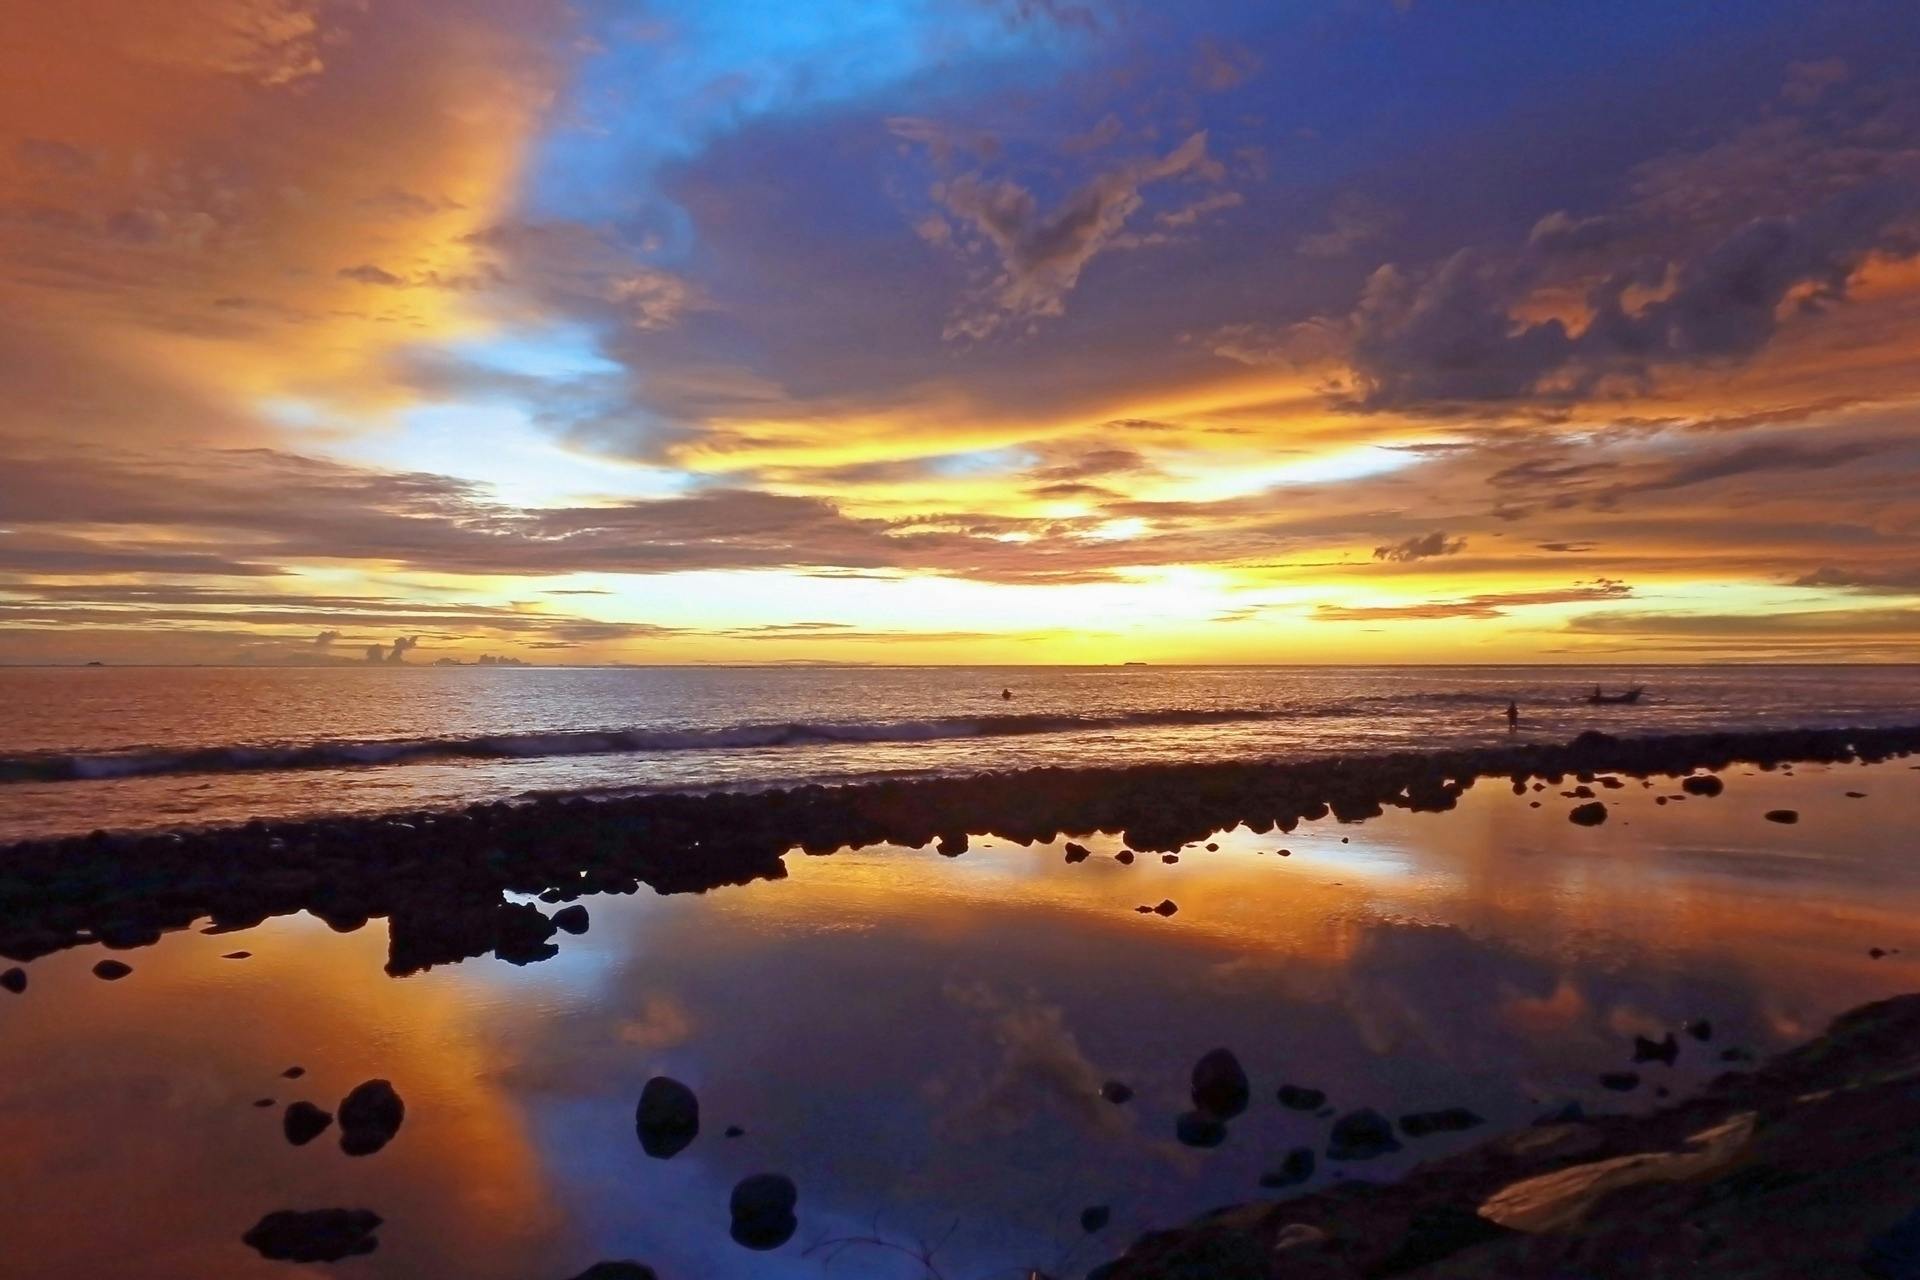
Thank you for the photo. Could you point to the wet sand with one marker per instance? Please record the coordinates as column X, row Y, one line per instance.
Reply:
column 917, row 1039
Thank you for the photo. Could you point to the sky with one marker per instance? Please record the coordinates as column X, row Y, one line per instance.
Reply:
column 338, row 331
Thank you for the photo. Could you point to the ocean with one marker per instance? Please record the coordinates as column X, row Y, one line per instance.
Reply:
column 137, row 748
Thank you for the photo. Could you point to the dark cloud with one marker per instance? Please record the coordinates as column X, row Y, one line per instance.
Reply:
column 1487, row 605
column 367, row 273
column 1421, row 546
column 1901, row 580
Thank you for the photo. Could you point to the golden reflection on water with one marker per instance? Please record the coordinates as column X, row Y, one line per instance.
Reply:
column 890, row 1023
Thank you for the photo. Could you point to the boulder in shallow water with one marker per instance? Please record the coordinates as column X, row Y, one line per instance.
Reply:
column 1666, row 1050
column 1591, row 814
column 315, row 1235
column 1786, row 817
column 14, row 980
column 1199, row 1129
column 571, row 919
column 1702, row 784
column 762, row 1208
column 1220, row 1084
column 1419, row 1124
column 1166, row 907
column 1124, row 857
column 952, row 845
column 1077, row 853
column 1298, row 1098
column 303, row 1122
column 369, row 1117
column 1361, row 1135
column 667, row 1119
column 1095, row 1218
column 1294, row 1170
column 1117, row 1092
column 111, row 970
column 1700, row 1029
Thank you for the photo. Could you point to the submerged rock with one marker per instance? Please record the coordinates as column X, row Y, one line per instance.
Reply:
column 1786, row 817
column 1699, row 1028
column 667, row 1119
column 1220, row 1084
column 1294, row 1170
column 14, row 980
column 1665, row 1050
column 369, row 1117
column 1199, row 1129
column 571, row 919
column 1095, row 1218
column 762, row 1208
column 1117, row 1092
column 1702, row 784
column 1591, row 814
column 1124, row 857
column 315, row 1235
column 303, row 1122
column 1299, row 1098
column 1419, row 1124
column 111, row 970
column 1076, row 852
column 1361, row 1135
column 1620, row 1081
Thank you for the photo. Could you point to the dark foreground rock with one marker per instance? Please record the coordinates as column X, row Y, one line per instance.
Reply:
column 14, row 980
column 1803, row 1168
column 370, row 1116
column 441, row 879
column 1220, row 1085
column 762, row 1210
column 303, row 1122
column 314, row 1235
column 667, row 1119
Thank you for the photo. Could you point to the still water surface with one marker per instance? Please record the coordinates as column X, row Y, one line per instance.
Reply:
column 917, row 1041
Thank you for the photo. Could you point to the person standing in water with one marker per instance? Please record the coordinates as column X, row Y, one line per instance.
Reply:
column 1513, row 716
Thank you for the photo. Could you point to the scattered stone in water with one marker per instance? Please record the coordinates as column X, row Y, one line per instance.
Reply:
column 1095, row 1218
column 317, row 1235
column 111, row 970
column 369, row 1117
column 1579, row 793
column 1198, row 1129
column 1118, row 1092
column 1699, row 1028
column 14, row 980
column 1620, row 1081
column 1786, row 817
column 1666, row 1050
column 1447, row 1120
column 1213, row 848
column 1166, row 907
column 1220, row 1084
column 1702, row 784
column 1591, row 814
column 1075, row 852
column 303, row 1122
column 1875, row 953
column 1294, row 1170
column 1299, row 1098
column 1169, row 858
column 1612, row 784
column 762, row 1209
column 1124, row 857
column 1361, row 1135
column 263, row 1102
column 667, row 1119
column 238, row 955
column 571, row 919
column 617, row 1271
column 1285, row 853
column 293, row 1073
column 1856, row 795
column 952, row 846
column 1659, row 799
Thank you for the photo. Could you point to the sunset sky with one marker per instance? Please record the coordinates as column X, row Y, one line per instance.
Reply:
column 959, row 330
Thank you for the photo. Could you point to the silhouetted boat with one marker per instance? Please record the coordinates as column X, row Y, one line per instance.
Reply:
column 1599, row 699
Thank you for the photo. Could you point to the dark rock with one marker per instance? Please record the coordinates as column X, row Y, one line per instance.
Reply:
column 1117, row 1092
column 1620, row 1081
column 1876, row 953
column 303, row 1122
column 1220, row 1084
column 953, row 845
column 1077, row 852
column 263, row 1103
column 762, row 1208
column 1572, row 1113
column 1299, row 1098
column 317, row 1235
column 1294, row 1170
column 617, row 1271
column 1666, row 1050
column 667, row 1119
column 1436, row 1232
column 293, row 1073
column 1420, row 1124
column 1591, row 814
column 14, row 980
column 1166, row 907
column 1856, row 795
column 1124, row 857
column 1361, row 1135
column 1786, row 817
column 1198, row 1129
column 1169, row 858
column 1702, row 784
column 111, row 970
column 733, row 1131
column 571, row 919
column 1213, row 848
column 1699, row 1028
column 1095, row 1218
column 238, row 955
column 369, row 1117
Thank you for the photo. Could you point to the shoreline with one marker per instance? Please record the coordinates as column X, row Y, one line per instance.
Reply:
column 1800, row 1167
column 440, row 878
